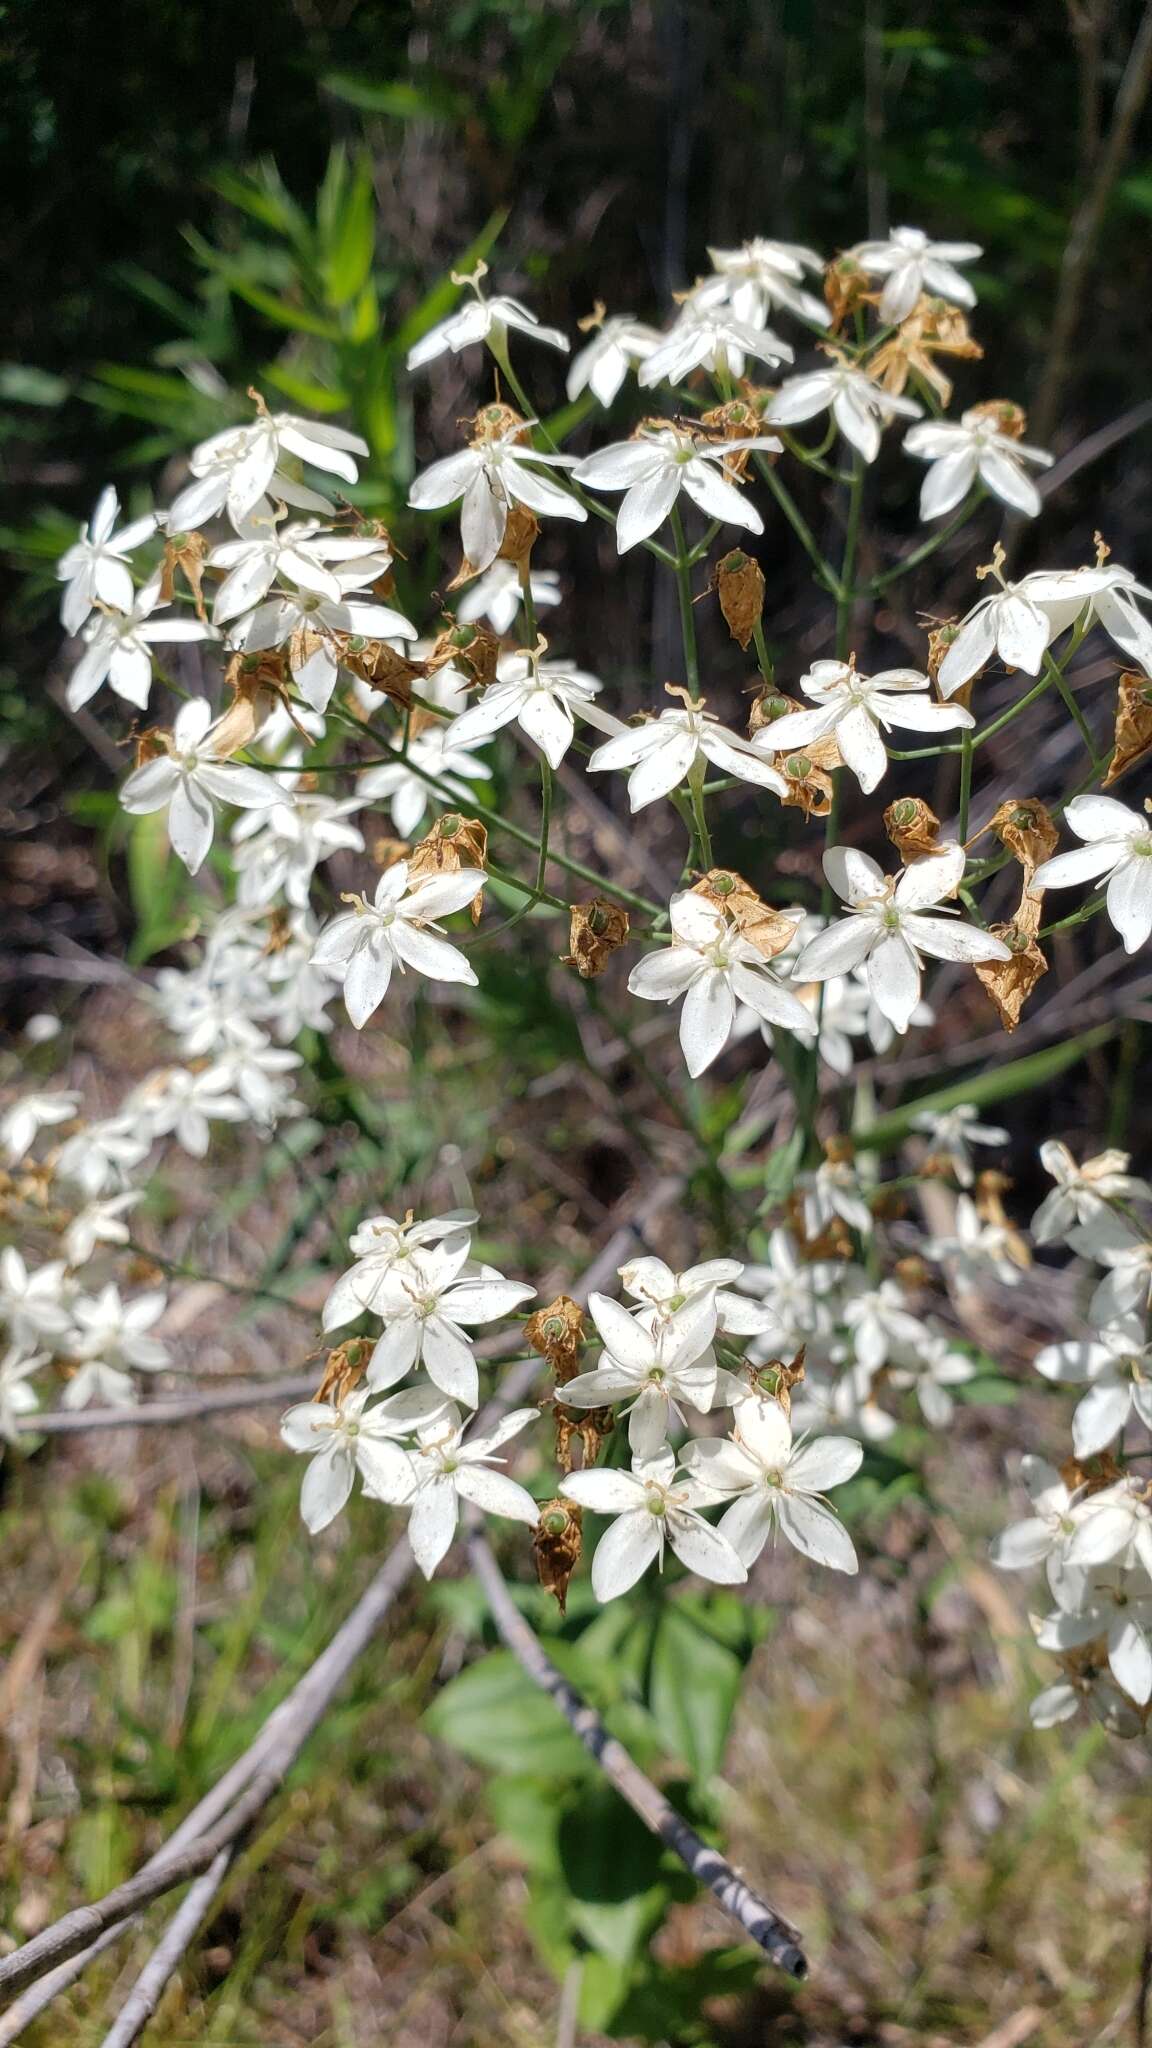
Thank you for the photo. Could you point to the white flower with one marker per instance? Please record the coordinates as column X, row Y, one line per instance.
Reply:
column 1117, row 843
column 859, row 407
column 1012, row 623
column 713, row 966
column 1108, row 594
column 354, row 1438
column 497, row 595
column 1112, row 1606
column 937, row 1368
column 179, row 1102
column 436, row 750
column 655, row 1286
column 797, row 1293
column 651, row 1511
column 426, row 1302
column 656, row 465
column 911, row 264
column 278, row 849
column 397, row 929
column 778, row 1484
column 17, row 1398
column 104, row 1153
column 978, row 1248
column 449, row 1468
column 1115, row 1523
column 710, row 338
column 887, row 927
column 233, row 470
column 490, row 477
column 834, row 1189
column 762, row 274
column 313, row 629
column 190, row 780
column 953, row 1132
column 1082, row 1194
column 481, row 319
column 96, row 566
column 21, row 1122
column 301, row 554
column 1126, row 1288
column 880, row 1321
column 99, row 1223
column 34, row 1303
column 543, row 697
column 1090, row 1688
column 857, row 709
column 105, row 1326
column 382, row 1244
column 653, row 1369
column 1048, row 1529
column 977, row 446
column 1117, row 1364
column 616, row 347
column 662, row 752
column 119, row 645
column 258, row 1076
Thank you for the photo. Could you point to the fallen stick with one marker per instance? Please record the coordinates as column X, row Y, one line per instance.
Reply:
column 752, row 1914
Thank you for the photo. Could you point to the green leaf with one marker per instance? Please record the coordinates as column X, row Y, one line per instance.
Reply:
column 160, row 888
column 348, row 237
column 282, row 312
column 401, row 98
column 23, row 384
column 527, row 1811
column 782, row 1167
column 694, row 1689
column 494, row 1714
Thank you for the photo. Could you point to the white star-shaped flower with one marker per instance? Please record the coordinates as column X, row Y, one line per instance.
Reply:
column 651, row 1510
column 714, row 967
column 887, row 927
column 857, row 709
column 656, row 465
column 662, row 752
column 498, row 594
column 490, row 477
column 616, row 346
column 234, row 470
column 951, row 1134
column 96, row 566
column 1108, row 593
column 119, row 648
column 653, row 1368
column 710, row 338
column 396, row 930
column 778, row 1484
column 859, row 407
column 1117, row 1366
column 911, row 264
column 22, row 1120
column 1117, row 844
column 381, row 1244
column 761, row 274
column 977, row 446
column 449, row 1467
column 1083, row 1195
column 544, row 698
column 190, row 780
column 353, row 1437
column 426, row 1303
column 481, row 319
column 1012, row 622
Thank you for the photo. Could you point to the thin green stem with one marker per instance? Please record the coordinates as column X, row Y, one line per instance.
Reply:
column 965, row 802
column 684, row 593
column 845, row 593
column 800, row 527
column 764, row 659
column 927, row 548
column 1056, row 675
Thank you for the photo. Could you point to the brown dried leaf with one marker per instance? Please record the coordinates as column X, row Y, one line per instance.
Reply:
column 1133, row 736
column 846, row 287
column 1010, row 982
column 932, row 328
column 1024, row 825
column 557, row 1541
column 475, row 647
column 380, row 666
column 913, row 828
column 739, row 583
column 596, row 930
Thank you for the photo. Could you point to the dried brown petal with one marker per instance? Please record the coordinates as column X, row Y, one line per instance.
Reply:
column 380, row 666
column 557, row 1541
column 932, row 328
column 846, row 286
column 454, row 842
column 913, row 828
column 475, row 647
column 344, row 1369
column 1007, row 417
column 557, row 1332
column 1011, row 982
column 493, row 422
column 596, row 930
column 770, row 931
column 185, row 551
column 1133, row 736
column 739, row 583
column 769, row 706
column 1024, row 825
column 940, row 639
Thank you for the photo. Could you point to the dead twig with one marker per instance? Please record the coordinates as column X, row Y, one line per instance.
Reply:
column 779, row 1941
column 148, row 1989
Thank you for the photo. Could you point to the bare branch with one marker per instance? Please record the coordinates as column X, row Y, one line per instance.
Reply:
column 148, row 1989
column 187, row 1408
column 778, row 1939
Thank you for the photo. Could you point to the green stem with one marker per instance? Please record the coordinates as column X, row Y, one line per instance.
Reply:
column 545, row 822
column 762, row 655
column 965, row 785
column 927, row 548
column 684, row 593
column 1056, row 675
column 800, row 527
column 846, row 594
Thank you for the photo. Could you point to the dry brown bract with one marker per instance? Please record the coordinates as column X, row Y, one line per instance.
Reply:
column 1133, row 735
column 595, row 932
column 770, row 931
column 933, row 328
column 913, row 828
column 557, row 1542
column 739, row 584
column 187, row 552
column 454, row 842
